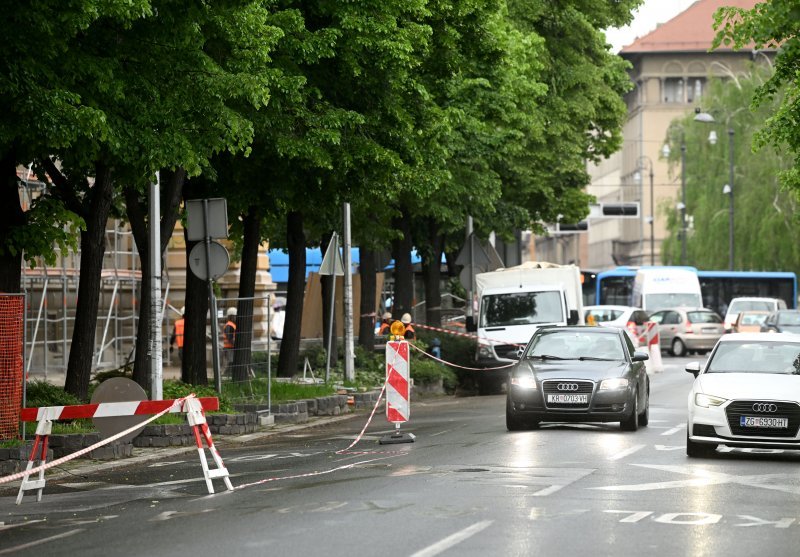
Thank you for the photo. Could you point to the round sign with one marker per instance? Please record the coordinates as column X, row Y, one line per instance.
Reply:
column 217, row 262
column 118, row 389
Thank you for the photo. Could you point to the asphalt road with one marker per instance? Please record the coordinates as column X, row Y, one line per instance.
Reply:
column 466, row 486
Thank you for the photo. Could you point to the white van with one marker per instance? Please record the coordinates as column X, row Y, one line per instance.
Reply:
column 656, row 288
column 739, row 305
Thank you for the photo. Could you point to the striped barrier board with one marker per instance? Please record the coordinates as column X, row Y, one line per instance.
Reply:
column 108, row 409
column 398, row 390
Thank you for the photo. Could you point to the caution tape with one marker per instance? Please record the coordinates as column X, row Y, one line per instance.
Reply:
column 67, row 458
column 465, row 335
column 451, row 364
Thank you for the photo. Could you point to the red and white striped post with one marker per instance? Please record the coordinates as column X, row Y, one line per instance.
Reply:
column 654, row 347
column 398, row 390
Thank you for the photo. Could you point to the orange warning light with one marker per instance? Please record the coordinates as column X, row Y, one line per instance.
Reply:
column 397, row 329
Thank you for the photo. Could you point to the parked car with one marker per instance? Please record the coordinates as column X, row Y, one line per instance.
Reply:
column 630, row 319
column 746, row 395
column 749, row 321
column 687, row 330
column 741, row 304
column 579, row 373
column 782, row 321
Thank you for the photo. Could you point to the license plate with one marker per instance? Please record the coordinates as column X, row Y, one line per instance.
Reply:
column 568, row 399
column 710, row 329
column 760, row 421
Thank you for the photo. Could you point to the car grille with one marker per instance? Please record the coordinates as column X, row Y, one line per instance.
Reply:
column 703, row 430
column 745, row 408
column 551, row 387
column 508, row 351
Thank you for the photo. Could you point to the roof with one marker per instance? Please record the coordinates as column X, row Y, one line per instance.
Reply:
column 690, row 31
column 760, row 337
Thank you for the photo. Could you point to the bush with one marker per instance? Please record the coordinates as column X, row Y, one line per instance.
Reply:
column 430, row 371
column 42, row 393
column 177, row 389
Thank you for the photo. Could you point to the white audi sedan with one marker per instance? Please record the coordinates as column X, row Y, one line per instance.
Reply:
column 747, row 395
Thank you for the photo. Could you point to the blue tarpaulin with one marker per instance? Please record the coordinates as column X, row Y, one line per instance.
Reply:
column 279, row 262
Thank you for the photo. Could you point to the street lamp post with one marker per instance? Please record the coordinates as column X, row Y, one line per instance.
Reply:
column 683, row 200
column 707, row 118
column 652, row 208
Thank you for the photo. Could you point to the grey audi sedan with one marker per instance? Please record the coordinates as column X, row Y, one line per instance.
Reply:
column 579, row 374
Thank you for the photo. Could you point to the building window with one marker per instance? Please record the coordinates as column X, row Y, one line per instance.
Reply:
column 695, row 91
column 673, row 90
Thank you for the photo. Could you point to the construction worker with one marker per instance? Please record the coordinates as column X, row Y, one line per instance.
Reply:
column 409, row 333
column 229, row 338
column 176, row 339
column 386, row 322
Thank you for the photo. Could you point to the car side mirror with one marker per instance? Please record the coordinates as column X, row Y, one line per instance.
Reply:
column 573, row 317
column 640, row 356
column 471, row 324
column 693, row 368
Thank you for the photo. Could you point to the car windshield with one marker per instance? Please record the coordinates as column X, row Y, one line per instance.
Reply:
column 604, row 315
column 750, row 305
column 672, row 300
column 703, row 317
column 753, row 318
column 756, row 357
column 788, row 318
column 521, row 308
column 572, row 345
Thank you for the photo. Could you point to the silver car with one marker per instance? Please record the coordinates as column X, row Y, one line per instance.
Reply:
column 688, row 330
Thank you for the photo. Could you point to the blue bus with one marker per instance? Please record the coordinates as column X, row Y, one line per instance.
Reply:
column 615, row 286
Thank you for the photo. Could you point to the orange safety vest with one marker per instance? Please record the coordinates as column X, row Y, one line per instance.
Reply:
column 179, row 332
column 409, row 329
column 228, row 342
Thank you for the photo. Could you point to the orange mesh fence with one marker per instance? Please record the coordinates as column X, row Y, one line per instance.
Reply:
column 12, row 312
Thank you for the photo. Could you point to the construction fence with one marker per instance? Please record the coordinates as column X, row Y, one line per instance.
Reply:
column 12, row 359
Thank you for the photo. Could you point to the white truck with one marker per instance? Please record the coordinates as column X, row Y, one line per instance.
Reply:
column 656, row 288
column 515, row 301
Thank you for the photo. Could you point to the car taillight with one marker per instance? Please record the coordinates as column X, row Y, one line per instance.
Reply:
column 688, row 326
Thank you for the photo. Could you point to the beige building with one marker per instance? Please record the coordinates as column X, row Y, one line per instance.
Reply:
column 670, row 70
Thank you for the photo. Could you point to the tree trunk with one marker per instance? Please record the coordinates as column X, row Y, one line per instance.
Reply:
column 11, row 217
column 366, row 270
column 194, row 363
column 431, row 276
column 247, row 289
column 137, row 209
column 290, row 345
column 403, row 270
column 93, row 247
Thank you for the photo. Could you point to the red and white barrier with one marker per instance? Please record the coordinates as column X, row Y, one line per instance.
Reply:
column 191, row 405
column 398, row 389
column 652, row 340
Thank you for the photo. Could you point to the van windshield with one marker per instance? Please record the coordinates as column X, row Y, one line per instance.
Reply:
column 521, row 308
column 654, row 302
column 751, row 305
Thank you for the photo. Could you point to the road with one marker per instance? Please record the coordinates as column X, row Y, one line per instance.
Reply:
column 465, row 487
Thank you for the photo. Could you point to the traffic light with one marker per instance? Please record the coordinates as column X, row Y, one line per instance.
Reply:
column 565, row 228
column 620, row 210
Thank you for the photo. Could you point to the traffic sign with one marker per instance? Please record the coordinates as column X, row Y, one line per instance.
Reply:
column 217, row 219
column 217, row 264
column 332, row 260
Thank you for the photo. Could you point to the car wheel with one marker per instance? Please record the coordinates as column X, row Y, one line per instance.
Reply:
column 644, row 417
column 699, row 450
column 678, row 348
column 514, row 421
column 631, row 423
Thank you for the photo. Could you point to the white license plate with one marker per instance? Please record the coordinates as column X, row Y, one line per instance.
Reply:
column 710, row 330
column 759, row 421
column 568, row 399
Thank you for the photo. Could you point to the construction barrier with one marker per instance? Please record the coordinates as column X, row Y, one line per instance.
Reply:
column 398, row 389
column 191, row 406
column 12, row 326
column 652, row 340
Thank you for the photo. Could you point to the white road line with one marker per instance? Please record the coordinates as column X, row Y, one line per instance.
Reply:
column 39, row 542
column 547, row 491
column 675, row 430
column 453, row 540
column 626, row 452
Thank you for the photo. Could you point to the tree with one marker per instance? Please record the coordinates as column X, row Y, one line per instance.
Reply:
column 770, row 25
column 764, row 209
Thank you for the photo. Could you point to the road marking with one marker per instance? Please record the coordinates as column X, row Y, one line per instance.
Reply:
column 453, row 540
column 4, row 526
column 547, row 491
column 675, row 430
column 40, row 541
column 626, row 452
column 670, row 447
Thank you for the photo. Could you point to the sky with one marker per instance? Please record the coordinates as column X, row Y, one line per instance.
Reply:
column 646, row 18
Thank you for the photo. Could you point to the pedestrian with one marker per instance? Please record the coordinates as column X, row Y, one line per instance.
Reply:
column 386, row 322
column 176, row 339
column 436, row 348
column 409, row 333
column 278, row 320
column 229, row 339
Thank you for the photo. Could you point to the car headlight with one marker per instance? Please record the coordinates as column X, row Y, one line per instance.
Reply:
column 524, row 381
column 707, row 400
column 613, row 384
column 485, row 351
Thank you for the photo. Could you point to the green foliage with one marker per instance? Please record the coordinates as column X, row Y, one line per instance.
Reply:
column 772, row 26
column 177, row 389
column 763, row 207
column 42, row 393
